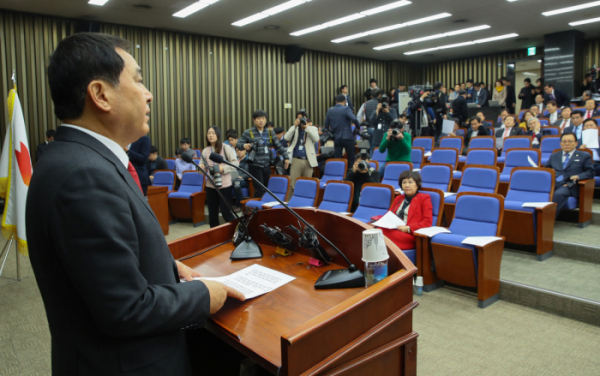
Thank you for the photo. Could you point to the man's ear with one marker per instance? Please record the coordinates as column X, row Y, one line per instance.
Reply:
column 100, row 94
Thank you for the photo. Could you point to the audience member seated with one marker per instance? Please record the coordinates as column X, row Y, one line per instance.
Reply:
column 591, row 124
column 474, row 130
column 576, row 126
column 366, row 174
column 180, row 167
column 454, row 130
column 590, row 109
column 564, row 120
column 535, row 110
column 553, row 115
column 279, row 133
column 539, row 104
column 526, row 116
column 484, row 122
column 41, row 147
column 186, row 147
column 536, row 133
column 570, row 166
column 138, row 153
column 508, row 131
column 557, row 95
column 413, row 208
column 155, row 162
column 499, row 93
column 587, row 94
column 398, row 147
column 503, row 116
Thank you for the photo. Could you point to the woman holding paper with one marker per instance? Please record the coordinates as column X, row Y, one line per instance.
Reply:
column 413, row 208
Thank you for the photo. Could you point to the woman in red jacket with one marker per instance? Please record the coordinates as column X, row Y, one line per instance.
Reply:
column 413, row 208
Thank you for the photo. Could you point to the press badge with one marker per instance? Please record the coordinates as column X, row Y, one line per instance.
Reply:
column 300, row 147
column 379, row 126
column 266, row 150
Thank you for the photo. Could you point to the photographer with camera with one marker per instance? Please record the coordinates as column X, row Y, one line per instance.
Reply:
column 302, row 137
column 438, row 100
column 380, row 121
column 397, row 143
column 256, row 141
column 417, row 112
column 221, row 174
column 360, row 174
column 337, row 122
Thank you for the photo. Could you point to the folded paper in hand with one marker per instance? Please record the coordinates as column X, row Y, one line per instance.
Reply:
column 431, row 231
column 389, row 220
column 480, row 240
column 535, row 204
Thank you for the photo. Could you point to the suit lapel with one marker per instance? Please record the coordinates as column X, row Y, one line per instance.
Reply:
column 575, row 155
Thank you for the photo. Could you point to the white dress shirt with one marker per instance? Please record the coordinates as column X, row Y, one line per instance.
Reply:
column 588, row 114
column 564, row 124
column 110, row 144
column 565, row 156
column 553, row 117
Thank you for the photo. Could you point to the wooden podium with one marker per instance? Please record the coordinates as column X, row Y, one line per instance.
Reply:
column 159, row 202
column 298, row 330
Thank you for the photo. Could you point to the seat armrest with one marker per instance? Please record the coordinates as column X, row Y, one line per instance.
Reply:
column 249, row 199
column 197, row 194
column 493, row 244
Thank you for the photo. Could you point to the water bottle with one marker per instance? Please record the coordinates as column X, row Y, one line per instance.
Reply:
column 419, row 286
column 375, row 272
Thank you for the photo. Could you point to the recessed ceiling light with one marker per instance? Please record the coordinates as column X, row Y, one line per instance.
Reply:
column 97, row 2
column 572, row 9
column 194, row 8
column 351, row 17
column 583, row 22
column 462, row 44
column 436, row 36
column 269, row 12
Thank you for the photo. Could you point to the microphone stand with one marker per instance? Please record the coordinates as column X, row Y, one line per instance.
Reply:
column 340, row 278
column 248, row 248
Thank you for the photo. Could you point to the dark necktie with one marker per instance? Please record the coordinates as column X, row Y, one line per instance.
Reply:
column 135, row 176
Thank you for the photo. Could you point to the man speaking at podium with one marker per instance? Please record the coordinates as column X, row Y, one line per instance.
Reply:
column 109, row 283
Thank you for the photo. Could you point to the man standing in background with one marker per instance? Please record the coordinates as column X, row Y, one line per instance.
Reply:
column 511, row 99
column 302, row 138
column 338, row 121
column 138, row 154
column 344, row 91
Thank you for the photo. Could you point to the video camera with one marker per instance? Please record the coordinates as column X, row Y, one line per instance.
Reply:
column 416, row 91
column 363, row 165
column 396, row 128
column 364, row 134
column 326, row 136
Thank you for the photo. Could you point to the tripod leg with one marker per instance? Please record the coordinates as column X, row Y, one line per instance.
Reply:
column 7, row 250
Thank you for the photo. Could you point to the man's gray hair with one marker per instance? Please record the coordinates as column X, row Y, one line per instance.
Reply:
column 533, row 119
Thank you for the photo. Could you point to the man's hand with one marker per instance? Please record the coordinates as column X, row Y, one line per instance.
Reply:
column 151, row 177
column 445, row 117
column 296, row 122
column 389, row 136
column 514, row 105
column 582, row 146
column 400, row 136
column 386, row 110
column 575, row 178
column 185, row 272
column 222, row 169
column 403, row 228
column 286, row 164
column 452, row 134
column 355, row 167
column 248, row 147
column 126, row 149
column 218, row 294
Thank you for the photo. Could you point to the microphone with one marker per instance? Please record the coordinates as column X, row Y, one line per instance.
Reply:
column 340, row 278
column 245, row 247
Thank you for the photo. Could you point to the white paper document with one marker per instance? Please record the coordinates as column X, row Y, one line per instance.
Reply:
column 535, row 204
column 589, row 138
column 389, row 220
column 480, row 240
column 345, row 213
column 271, row 204
column 399, row 191
column 428, row 154
column 531, row 162
column 446, row 194
column 448, row 126
column 253, row 281
column 416, row 169
column 431, row 231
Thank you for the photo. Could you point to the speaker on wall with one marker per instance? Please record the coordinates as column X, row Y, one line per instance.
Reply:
column 293, row 54
column 83, row 26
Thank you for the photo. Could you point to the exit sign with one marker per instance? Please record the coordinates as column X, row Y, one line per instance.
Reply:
column 531, row 51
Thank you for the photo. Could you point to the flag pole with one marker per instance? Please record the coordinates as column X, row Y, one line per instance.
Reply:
column 7, row 250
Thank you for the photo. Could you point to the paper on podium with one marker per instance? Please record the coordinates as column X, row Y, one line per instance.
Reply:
column 448, row 126
column 589, row 138
column 480, row 240
column 389, row 220
column 253, row 281
column 433, row 230
column 531, row 162
column 446, row 194
column 535, row 204
column 271, row 204
column 428, row 154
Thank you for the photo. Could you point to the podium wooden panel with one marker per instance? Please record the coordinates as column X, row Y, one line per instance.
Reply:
column 298, row 330
column 159, row 202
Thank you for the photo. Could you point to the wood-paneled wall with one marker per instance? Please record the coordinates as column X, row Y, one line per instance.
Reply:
column 196, row 81
column 591, row 54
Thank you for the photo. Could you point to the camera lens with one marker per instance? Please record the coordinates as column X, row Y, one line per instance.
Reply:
column 362, row 165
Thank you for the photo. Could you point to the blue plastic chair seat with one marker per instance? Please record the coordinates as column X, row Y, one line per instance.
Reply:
column 180, row 194
column 452, row 240
column 518, row 206
column 298, row 202
column 505, row 177
column 501, row 159
column 450, row 199
column 572, row 203
column 457, row 174
column 462, row 158
column 412, row 255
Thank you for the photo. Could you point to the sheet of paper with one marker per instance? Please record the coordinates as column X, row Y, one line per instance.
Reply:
column 589, row 138
column 499, row 143
column 416, row 169
column 389, row 220
column 253, row 281
column 535, row 204
column 428, row 154
column 480, row 240
column 305, row 207
column 345, row 213
column 446, row 194
column 448, row 126
column 272, row 203
column 399, row 191
column 531, row 162
column 431, row 231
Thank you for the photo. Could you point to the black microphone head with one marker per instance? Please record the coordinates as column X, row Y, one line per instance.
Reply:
column 217, row 158
column 187, row 158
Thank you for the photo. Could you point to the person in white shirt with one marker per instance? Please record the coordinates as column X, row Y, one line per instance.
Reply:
column 591, row 124
column 539, row 103
column 565, row 120
column 551, row 107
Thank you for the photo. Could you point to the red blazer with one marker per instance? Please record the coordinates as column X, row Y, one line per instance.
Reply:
column 420, row 213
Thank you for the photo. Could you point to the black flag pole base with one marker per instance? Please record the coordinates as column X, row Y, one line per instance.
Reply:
column 248, row 249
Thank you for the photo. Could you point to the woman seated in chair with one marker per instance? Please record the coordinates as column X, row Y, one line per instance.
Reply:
column 413, row 208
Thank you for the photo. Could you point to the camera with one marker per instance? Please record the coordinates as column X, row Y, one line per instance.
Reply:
column 396, row 132
column 303, row 121
column 384, row 105
column 362, row 131
column 363, row 165
column 326, row 136
column 251, row 154
column 216, row 175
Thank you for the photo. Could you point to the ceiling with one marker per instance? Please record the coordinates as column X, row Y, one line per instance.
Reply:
column 522, row 17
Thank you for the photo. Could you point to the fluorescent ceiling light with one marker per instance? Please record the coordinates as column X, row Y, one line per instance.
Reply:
column 390, row 45
column 269, row 12
column 462, row 44
column 584, row 21
column 388, row 28
column 468, row 30
column 353, row 17
column 420, row 51
column 436, row 36
column 97, row 2
column 194, row 8
column 383, row 8
column 505, row 36
column 456, row 45
column 427, row 19
column 572, row 9
column 417, row 40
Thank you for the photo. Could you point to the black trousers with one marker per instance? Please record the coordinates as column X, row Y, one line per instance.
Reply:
column 215, row 202
column 238, row 195
column 145, row 189
column 561, row 195
column 597, row 168
column 339, row 145
column 262, row 174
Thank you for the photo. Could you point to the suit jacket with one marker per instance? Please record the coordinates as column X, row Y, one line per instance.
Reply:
column 312, row 136
column 40, row 150
column 514, row 131
column 349, row 102
column 338, row 120
column 472, row 92
column 161, row 164
column 560, row 97
column 558, row 123
column 109, row 283
column 543, row 132
column 579, row 164
column 527, row 96
column 482, row 98
column 510, row 96
column 460, row 110
column 420, row 212
column 594, row 113
column 138, row 155
column 481, row 131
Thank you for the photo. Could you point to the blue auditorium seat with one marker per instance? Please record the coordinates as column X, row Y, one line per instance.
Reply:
column 278, row 184
column 445, row 156
column 170, row 163
column 548, row 145
column 477, row 179
column 191, row 182
column 518, row 158
column 460, row 132
column 305, row 193
column 335, row 169
column 437, row 204
column 544, row 122
column 188, row 201
column 514, row 142
column 393, row 171
column 375, row 199
column 436, row 176
column 198, row 152
column 164, row 179
column 486, row 157
column 416, row 157
column 379, row 157
column 452, row 142
column 338, row 197
column 423, row 142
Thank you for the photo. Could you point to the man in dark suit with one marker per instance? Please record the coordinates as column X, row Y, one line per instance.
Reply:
column 509, row 128
column 511, row 99
column 470, row 91
column 41, row 147
column 460, row 110
column 481, row 95
column 344, row 91
column 338, row 121
column 584, row 97
column 138, row 153
column 557, row 95
column 565, row 119
column 570, row 166
column 576, row 125
column 110, row 286
column 155, row 162
column 590, row 109
column 474, row 130
column 527, row 94
column 536, row 132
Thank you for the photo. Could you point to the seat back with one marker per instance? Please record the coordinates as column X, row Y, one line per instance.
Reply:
column 198, row 152
column 531, row 184
column 335, row 169
column 544, row 122
column 486, row 157
column 279, row 185
column 438, row 176
column 554, row 131
column 379, row 156
column 338, row 196
column 451, row 142
column 374, row 164
column 191, row 182
column 548, row 145
column 521, row 113
column 445, row 156
column 437, row 204
column 479, row 178
column 460, row 132
column 416, row 156
column 482, row 142
column 518, row 158
column 393, row 171
column 164, row 179
column 170, row 163
column 305, row 192
column 477, row 214
column 514, row 142
column 423, row 142
column 375, row 199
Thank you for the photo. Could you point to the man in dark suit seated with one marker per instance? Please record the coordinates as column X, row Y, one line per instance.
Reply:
column 536, row 132
column 564, row 121
column 155, row 162
column 560, row 97
column 508, row 130
column 584, row 97
column 570, row 166
column 111, row 288
column 138, row 153
column 576, row 125
column 590, row 109
column 41, row 147
column 474, row 130
column 591, row 124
